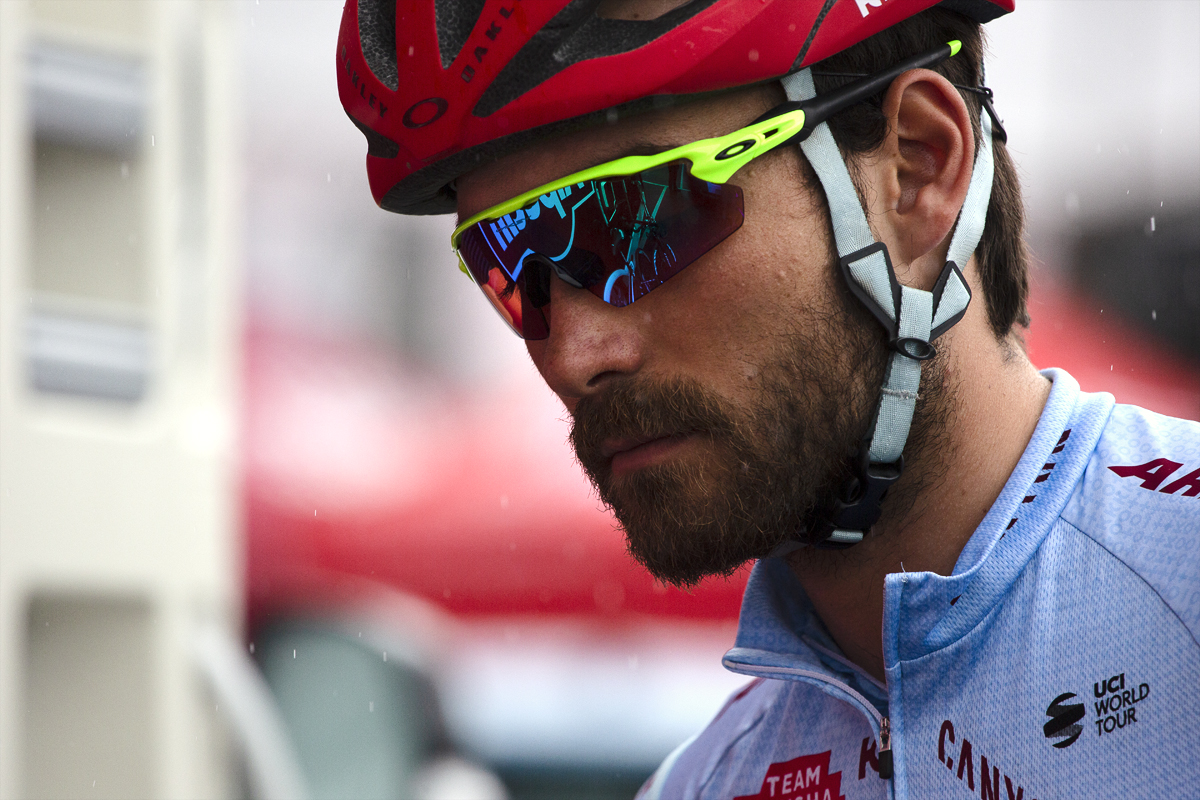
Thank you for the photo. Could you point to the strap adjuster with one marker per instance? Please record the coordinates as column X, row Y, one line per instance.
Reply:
column 886, row 317
column 914, row 348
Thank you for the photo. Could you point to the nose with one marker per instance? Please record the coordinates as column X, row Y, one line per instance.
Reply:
column 590, row 343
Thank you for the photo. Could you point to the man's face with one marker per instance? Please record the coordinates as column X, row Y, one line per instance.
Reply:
column 717, row 414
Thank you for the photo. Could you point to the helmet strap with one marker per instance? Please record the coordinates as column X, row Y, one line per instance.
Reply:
column 913, row 318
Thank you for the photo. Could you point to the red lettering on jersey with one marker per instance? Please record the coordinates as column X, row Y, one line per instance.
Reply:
column 1152, row 473
column 1190, row 484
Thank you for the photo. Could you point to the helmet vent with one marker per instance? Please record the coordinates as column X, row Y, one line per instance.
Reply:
column 576, row 34
column 377, row 36
column 455, row 21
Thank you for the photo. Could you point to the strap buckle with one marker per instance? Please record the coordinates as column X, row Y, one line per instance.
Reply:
column 861, row 503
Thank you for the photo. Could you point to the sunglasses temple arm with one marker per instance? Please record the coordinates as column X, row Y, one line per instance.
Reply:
column 821, row 108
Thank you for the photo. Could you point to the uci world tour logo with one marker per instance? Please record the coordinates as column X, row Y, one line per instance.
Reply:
column 1064, row 723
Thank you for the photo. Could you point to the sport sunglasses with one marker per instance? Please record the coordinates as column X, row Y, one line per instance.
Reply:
column 623, row 228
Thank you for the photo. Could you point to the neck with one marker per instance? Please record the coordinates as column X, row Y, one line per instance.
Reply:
column 993, row 398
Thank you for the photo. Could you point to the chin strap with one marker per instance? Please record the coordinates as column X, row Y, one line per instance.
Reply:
column 912, row 317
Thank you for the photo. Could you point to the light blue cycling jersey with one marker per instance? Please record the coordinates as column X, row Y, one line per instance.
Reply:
column 1059, row 660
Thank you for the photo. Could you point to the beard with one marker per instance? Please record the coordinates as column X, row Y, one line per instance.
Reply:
column 770, row 467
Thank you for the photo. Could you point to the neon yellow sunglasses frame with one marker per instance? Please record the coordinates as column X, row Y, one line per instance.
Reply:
column 714, row 160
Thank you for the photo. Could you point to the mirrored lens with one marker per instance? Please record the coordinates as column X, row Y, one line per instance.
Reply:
column 618, row 237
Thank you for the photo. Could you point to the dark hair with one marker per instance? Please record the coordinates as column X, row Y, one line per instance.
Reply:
column 1001, row 255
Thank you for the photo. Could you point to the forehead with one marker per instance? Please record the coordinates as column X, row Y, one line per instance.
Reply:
column 650, row 132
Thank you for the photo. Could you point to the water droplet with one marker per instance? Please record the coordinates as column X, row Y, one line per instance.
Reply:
column 371, row 706
column 1154, row 315
column 252, row 647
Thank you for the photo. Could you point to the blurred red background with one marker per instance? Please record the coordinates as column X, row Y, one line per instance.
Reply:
column 361, row 472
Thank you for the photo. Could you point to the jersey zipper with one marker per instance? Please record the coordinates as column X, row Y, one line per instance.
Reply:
column 882, row 725
column 885, row 749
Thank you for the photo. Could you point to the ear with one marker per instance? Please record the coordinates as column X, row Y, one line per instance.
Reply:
column 920, row 175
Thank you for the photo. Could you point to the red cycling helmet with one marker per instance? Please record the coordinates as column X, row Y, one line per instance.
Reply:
column 439, row 85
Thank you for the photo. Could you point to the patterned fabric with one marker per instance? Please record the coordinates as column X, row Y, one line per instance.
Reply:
column 1059, row 660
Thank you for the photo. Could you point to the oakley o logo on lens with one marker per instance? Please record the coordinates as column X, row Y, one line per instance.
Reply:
column 734, row 150
column 438, row 107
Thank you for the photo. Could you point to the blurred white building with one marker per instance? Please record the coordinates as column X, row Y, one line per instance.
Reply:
column 119, row 335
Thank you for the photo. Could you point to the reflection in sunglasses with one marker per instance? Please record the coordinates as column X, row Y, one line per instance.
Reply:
column 618, row 237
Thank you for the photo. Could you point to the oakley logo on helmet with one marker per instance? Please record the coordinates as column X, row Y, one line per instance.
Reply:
column 493, row 30
column 425, row 112
column 865, row 6
column 1064, row 722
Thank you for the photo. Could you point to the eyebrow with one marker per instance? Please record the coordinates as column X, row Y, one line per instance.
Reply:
column 636, row 149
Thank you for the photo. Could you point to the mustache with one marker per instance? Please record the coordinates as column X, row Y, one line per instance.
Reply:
column 644, row 409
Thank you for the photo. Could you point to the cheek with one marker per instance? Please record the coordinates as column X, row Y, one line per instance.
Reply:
column 537, row 354
column 536, row 348
column 777, row 264
column 793, row 244
column 714, row 323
